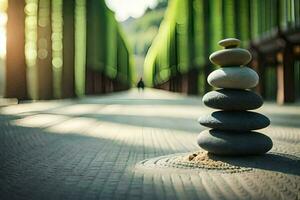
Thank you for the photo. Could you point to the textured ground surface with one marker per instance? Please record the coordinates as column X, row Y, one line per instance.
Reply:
column 92, row 148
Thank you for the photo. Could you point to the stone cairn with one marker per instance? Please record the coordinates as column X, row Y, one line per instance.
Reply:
column 232, row 128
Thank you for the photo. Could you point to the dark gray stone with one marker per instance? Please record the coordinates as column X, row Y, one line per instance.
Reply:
column 235, row 120
column 234, row 142
column 231, row 99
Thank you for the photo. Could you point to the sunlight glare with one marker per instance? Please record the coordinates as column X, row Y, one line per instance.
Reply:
column 3, row 21
column 2, row 43
column 130, row 8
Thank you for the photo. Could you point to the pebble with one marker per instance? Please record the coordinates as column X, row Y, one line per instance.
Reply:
column 234, row 143
column 233, row 77
column 229, row 42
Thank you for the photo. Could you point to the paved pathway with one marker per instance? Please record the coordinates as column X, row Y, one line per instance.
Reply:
column 88, row 149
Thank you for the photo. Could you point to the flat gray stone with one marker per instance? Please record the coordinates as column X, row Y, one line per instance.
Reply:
column 234, row 143
column 229, row 42
column 228, row 57
column 235, row 120
column 233, row 77
column 232, row 99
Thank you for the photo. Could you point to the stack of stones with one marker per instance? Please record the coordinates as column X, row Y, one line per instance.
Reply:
column 232, row 127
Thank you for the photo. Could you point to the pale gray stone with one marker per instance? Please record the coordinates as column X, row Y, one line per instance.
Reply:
column 233, row 77
column 228, row 57
column 229, row 42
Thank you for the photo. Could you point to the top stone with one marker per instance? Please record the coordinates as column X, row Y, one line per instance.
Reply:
column 229, row 43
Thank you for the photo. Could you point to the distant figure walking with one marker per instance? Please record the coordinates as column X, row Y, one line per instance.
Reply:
column 141, row 85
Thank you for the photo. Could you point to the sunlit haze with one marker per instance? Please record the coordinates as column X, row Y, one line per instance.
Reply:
column 2, row 43
column 130, row 8
column 3, row 20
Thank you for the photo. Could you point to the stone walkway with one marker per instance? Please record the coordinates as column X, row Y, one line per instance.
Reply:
column 91, row 148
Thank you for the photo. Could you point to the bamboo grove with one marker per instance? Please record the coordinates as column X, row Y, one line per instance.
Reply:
column 178, row 58
column 65, row 48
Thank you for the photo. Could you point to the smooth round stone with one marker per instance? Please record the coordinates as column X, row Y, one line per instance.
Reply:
column 228, row 57
column 229, row 42
column 235, row 120
column 234, row 143
column 231, row 99
column 233, row 77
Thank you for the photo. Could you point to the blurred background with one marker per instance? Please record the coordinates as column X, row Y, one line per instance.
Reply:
column 140, row 21
column 52, row 49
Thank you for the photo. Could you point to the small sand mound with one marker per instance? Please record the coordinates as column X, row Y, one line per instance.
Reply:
column 203, row 159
